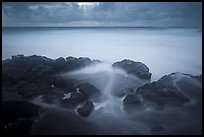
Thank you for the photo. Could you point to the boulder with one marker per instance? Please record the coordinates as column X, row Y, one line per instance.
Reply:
column 60, row 64
column 165, row 91
column 136, row 68
column 37, row 75
column 173, row 90
column 86, row 109
column 96, row 61
column 123, row 91
column 85, row 61
column 91, row 91
column 50, row 99
column 75, row 99
column 132, row 103
column 77, row 63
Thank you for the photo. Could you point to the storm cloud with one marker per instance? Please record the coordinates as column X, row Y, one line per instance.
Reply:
column 102, row 14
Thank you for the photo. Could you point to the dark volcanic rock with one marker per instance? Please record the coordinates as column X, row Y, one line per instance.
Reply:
column 96, row 61
column 85, row 61
column 37, row 75
column 60, row 64
column 163, row 92
column 124, row 91
column 75, row 99
column 76, row 63
column 91, row 91
column 71, row 63
column 136, row 68
column 51, row 99
column 86, row 109
column 132, row 103
column 167, row 91
column 23, row 68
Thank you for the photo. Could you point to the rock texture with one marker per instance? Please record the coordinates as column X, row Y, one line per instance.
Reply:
column 86, row 109
column 166, row 92
column 37, row 75
column 89, row 90
column 132, row 102
column 136, row 68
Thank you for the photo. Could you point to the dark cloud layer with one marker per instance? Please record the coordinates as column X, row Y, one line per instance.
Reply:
column 102, row 14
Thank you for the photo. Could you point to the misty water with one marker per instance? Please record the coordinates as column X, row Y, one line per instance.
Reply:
column 163, row 50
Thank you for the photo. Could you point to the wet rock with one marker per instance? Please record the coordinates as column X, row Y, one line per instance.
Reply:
column 136, row 68
column 51, row 99
column 37, row 75
column 60, row 64
column 86, row 109
column 76, row 63
column 96, row 61
column 164, row 92
column 122, row 92
column 24, row 68
column 91, row 91
column 71, row 63
column 85, row 61
column 132, row 103
column 75, row 99
column 124, row 85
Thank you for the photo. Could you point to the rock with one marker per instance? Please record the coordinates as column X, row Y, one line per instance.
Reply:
column 136, row 68
column 58, row 81
column 122, row 92
column 91, row 91
column 51, row 99
column 28, row 69
column 78, row 96
column 75, row 99
column 96, row 61
column 132, row 103
column 85, row 61
column 60, row 64
column 71, row 63
column 164, row 92
column 37, row 75
column 124, row 85
column 86, row 109
column 77, row 63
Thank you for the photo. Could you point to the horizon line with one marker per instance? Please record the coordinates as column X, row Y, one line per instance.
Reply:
column 101, row 26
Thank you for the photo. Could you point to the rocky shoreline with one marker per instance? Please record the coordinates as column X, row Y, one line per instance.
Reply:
column 38, row 76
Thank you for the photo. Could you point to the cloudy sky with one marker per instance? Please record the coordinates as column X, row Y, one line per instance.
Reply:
column 102, row 14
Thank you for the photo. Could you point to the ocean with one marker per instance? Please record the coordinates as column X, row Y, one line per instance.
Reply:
column 163, row 50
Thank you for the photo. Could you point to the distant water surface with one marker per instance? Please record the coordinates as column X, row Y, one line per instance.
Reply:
column 163, row 50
